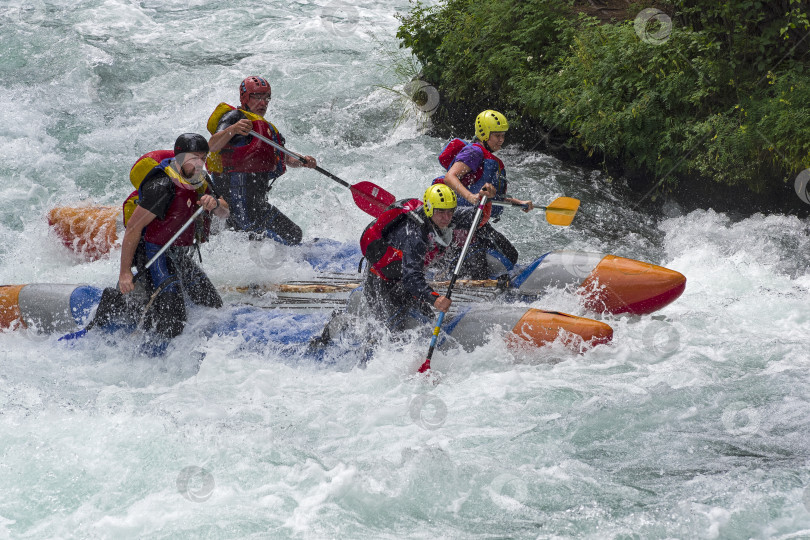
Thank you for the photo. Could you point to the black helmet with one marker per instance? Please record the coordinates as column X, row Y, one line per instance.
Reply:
column 190, row 142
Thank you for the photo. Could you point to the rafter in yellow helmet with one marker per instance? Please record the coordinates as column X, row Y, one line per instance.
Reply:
column 489, row 121
column 438, row 196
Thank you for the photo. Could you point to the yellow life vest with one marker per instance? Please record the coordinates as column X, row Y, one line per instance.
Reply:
column 139, row 172
column 214, row 162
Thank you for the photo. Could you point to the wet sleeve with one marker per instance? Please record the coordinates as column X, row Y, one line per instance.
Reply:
column 414, row 250
column 471, row 156
column 156, row 194
column 463, row 217
column 228, row 119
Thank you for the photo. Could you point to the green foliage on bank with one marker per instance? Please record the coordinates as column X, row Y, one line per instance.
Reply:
column 715, row 89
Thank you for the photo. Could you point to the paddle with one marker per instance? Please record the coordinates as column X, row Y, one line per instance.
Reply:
column 168, row 244
column 185, row 226
column 560, row 212
column 369, row 197
column 426, row 364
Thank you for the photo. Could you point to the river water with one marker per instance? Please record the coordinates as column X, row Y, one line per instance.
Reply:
column 692, row 424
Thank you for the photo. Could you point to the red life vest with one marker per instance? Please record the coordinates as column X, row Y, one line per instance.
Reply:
column 180, row 210
column 491, row 171
column 255, row 157
column 385, row 259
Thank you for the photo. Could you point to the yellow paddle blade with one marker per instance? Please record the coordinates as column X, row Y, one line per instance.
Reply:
column 562, row 211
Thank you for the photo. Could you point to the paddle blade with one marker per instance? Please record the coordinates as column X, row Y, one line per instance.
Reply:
column 562, row 211
column 371, row 198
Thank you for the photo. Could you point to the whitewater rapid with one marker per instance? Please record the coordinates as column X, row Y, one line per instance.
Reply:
column 692, row 424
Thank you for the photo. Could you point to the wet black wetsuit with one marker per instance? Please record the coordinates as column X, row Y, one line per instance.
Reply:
column 395, row 302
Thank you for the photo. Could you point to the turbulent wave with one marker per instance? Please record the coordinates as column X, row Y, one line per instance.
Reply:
column 692, row 423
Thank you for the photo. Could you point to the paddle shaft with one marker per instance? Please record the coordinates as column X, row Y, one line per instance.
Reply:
column 185, row 226
column 524, row 206
column 476, row 219
column 509, row 203
column 560, row 212
column 369, row 197
column 168, row 244
column 300, row 158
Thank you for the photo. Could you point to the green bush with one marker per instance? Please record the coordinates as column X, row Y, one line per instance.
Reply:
column 722, row 94
column 477, row 52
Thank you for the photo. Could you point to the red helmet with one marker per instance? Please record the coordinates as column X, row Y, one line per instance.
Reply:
column 250, row 85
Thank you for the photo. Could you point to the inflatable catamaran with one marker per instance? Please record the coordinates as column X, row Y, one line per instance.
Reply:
column 605, row 284
column 64, row 309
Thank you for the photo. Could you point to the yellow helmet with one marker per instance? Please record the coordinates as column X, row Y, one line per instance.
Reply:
column 489, row 121
column 439, row 196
